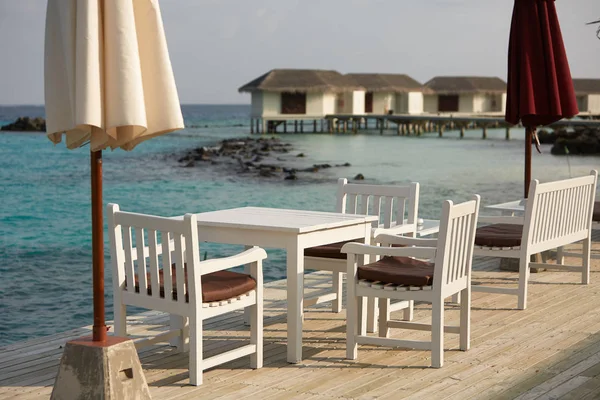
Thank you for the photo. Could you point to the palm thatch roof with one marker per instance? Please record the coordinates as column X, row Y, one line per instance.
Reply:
column 397, row 83
column 586, row 86
column 466, row 84
column 301, row 80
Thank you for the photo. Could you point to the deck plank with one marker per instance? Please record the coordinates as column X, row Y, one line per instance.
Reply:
column 552, row 349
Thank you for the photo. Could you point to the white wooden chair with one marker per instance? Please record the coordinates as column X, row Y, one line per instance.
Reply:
column 397, row 206
column 556, row 214
column 396, row 276
column 151, row 254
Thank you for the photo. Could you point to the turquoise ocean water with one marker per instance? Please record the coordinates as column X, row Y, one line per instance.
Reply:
column 45, row 250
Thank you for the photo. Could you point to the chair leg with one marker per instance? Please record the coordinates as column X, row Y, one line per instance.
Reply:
column 384, row 317
column 372, row 315
column 177, row 322
column 120, row 314
column 352, row 319
column 256, row 333
column 336, row 305
column 409, row 311
column 560, row 255
column 195, row 351
column 465, row 319
column 362, row 316
column 585, row 257
column 523, row 279
column 437, row 333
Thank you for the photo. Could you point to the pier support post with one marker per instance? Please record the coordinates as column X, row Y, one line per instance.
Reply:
column 484, row 136
column 366, row 123
column 264, row 127
column 440, row 129
column 462, row 131
column 507, row 133
column 285, row 126
column 301, row 126
column 314, row 126
column 295, row 126
column 251, row 125
column 381, row 127
column 322, row 122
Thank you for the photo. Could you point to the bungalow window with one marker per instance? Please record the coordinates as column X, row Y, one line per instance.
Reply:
column 369, row 102
column 293, row 103
column 448, row 103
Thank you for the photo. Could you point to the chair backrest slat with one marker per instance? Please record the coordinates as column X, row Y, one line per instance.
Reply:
column 179, row 268
column 388, row 211
column 129, row 268
column 154, row 264
column 141, row 260
column 456, row 238
column 167, row 261
column 558, row 211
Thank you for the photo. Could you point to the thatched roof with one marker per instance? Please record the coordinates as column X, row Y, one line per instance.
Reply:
column 301, row 80
column 466, row 84
column 398, row 83
column 586, row 86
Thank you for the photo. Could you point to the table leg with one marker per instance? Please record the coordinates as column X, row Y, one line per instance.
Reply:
column 295, row 301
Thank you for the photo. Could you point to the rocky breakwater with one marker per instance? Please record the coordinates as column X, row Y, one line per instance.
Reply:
column 26, row 124
column 584, row 141
column 262, row 157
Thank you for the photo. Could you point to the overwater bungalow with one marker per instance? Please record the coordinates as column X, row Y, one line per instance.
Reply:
column 465, row 94
column 588, row 95
column 299, row 94
column 391, row 93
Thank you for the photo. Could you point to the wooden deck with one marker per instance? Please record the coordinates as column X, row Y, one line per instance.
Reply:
column 550, row 350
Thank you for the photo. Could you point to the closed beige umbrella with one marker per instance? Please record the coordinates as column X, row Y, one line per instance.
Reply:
column 109, row 83
column 108, row 76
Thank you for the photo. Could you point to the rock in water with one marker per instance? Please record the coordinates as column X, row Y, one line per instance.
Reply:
column 26, row 124
column 359, row 177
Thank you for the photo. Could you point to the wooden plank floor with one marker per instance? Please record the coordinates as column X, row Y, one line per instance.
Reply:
column 550, row 350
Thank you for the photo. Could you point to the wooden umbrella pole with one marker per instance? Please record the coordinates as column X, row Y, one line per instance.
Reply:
column 528, row 139
column 99, row 330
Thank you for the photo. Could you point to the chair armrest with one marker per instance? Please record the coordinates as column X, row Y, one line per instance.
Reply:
column 396, row 230
column 404, row 240
column 416, row 252
column 252, row 255
column 485, row 219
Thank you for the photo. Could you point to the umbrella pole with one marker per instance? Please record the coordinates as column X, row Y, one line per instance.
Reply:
column 99, row 330
column 528, row 139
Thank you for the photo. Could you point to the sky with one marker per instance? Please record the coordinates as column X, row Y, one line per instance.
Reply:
column 216, row 46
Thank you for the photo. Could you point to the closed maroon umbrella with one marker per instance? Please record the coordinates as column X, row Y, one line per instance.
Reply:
column 540, row 89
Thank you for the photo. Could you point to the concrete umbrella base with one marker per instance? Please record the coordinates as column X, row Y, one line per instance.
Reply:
column 100, row 370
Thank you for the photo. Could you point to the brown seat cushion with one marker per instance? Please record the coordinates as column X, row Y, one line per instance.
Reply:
column 398, row 270
column 499, row 235
column 333, row 250
column 217, row 286
column 596, row 214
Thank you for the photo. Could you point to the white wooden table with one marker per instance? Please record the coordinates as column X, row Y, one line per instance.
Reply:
column 292, row 230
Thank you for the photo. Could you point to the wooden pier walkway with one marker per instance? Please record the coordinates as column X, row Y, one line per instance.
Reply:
column 402, row 124
column 550, row 350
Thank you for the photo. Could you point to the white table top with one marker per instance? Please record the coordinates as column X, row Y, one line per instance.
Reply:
column 428, row 227
column 278, row 219
column 515, row 205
